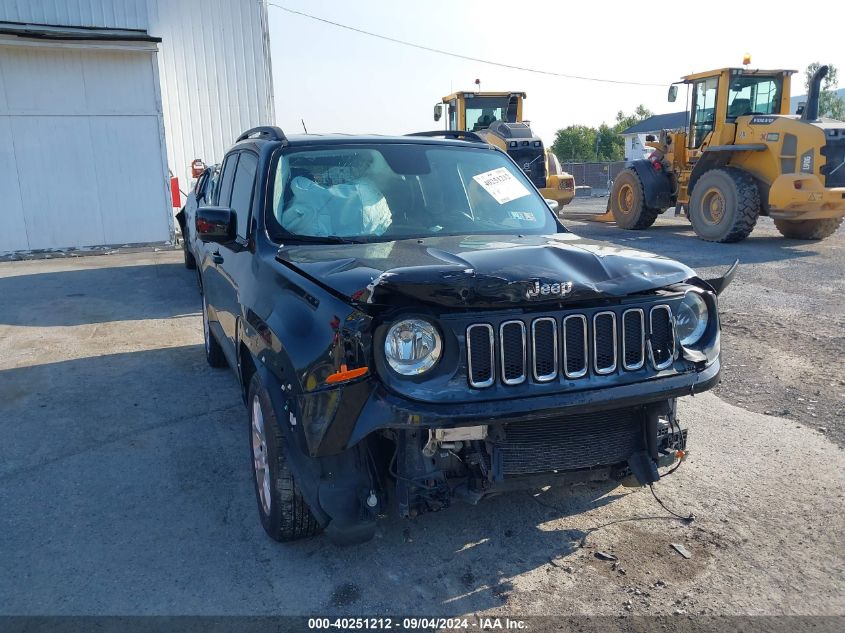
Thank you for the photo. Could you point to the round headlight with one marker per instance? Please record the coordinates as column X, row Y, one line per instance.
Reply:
column 691, row 320
column 412, row 347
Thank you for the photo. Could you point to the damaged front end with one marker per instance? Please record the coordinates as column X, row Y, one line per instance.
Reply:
column 433, row 467
column 535, row 379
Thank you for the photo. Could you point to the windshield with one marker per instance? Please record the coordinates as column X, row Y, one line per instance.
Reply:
column 482, row 111
column 397, row 191
column 750, row 94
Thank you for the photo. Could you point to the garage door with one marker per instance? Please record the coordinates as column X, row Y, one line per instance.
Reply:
column 82, row 156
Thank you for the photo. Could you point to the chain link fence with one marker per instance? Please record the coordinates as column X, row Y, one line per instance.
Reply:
column 597, row 176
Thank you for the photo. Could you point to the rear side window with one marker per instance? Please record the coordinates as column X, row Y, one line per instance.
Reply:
column 210, row 185
column 242, row 190
column 224, row 193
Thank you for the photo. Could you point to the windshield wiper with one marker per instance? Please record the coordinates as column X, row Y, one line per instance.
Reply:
column 318, row 239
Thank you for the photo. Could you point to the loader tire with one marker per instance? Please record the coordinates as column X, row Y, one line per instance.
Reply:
column 808, row 229
column 627, row 203
column 724, row 206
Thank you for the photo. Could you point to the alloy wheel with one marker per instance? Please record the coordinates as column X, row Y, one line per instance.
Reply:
column 259, row 455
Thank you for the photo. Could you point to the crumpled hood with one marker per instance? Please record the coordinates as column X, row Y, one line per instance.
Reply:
column 483, row 271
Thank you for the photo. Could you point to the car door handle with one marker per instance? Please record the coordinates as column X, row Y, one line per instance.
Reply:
column 217, row 258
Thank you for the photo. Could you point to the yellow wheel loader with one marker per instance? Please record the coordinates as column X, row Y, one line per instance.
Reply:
column 742, row 155
column 497, row 118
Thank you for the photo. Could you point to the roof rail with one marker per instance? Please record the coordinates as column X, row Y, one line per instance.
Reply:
column 460, row 135
column 266, row 132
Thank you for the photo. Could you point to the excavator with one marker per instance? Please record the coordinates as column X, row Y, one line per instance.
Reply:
column 497, row 118
column 742, row 155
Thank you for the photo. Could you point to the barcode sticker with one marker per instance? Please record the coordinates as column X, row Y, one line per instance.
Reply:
column 501, row 184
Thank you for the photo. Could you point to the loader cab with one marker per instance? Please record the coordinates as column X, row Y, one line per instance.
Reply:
column 719, row 97
column 476, row 111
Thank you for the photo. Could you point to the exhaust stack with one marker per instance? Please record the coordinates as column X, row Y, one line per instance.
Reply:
column 811, row 110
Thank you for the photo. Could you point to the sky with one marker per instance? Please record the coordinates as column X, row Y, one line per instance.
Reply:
column 340, row 81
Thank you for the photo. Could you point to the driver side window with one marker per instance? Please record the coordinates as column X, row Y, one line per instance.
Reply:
column 703, row 110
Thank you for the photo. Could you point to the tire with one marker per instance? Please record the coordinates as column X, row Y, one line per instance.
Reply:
column 724, row 205
column 808, row 229
column 213, row 352
column 627, row 202
column 284, row 514
column 190, row 260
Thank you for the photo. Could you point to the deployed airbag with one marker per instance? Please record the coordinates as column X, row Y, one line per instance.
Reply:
column 356, row 209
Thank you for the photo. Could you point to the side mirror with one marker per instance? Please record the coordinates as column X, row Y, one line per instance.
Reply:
column 438, row 111
column 673, row 93
column 553, row 205
column 216, row 224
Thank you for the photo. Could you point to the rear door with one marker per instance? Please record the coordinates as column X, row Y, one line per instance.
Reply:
column 210, row 260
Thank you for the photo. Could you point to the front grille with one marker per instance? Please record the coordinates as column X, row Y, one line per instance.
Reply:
column 661, row 337
column 603, row 344
column 575, row 345
column 604, row 438
column 544, row 348
column 480, row 360
column 633, row 339
column 834, row 153
column 512, row 344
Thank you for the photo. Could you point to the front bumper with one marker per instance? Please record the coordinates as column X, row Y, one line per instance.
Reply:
column 811, row 202
column 355, row 411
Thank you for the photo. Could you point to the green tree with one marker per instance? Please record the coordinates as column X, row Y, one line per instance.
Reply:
column 624, row 121
column 575, row 142
column 609, row 145
column 584, row 143
column 830, row 104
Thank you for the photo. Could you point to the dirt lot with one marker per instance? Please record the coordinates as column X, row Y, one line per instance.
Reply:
column 124, row 468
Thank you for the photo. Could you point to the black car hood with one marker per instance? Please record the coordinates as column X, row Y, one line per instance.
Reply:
column 482, row 271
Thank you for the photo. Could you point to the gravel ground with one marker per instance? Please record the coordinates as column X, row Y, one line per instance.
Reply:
column 783, row 318
column 125, row 484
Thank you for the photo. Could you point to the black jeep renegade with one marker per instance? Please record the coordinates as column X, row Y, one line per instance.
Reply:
column 408, row 320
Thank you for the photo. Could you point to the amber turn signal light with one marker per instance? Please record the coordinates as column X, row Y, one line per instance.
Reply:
column 346, row 374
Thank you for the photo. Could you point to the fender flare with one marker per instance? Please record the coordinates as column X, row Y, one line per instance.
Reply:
column 657, row 186
column 334, row 486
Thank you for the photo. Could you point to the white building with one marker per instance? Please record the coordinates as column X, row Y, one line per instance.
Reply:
column 102, row 100
column 634, row 136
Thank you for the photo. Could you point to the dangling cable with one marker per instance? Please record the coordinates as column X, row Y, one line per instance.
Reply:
column 688, row 519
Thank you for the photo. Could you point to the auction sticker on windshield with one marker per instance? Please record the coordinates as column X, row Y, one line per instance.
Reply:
column 501, row 184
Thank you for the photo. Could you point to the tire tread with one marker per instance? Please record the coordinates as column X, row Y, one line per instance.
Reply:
column 808, row 229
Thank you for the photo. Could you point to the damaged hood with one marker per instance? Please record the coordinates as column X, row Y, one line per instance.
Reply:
column 482, row 271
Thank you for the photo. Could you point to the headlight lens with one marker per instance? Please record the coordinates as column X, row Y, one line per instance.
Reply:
column 691, row 320
column 412, row 347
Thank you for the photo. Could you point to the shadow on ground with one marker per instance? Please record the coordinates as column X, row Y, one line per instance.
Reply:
column 98, row 295
column 128, row 476
column 677, row 240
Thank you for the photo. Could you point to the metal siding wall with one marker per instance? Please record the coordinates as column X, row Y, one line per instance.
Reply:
column 124, row 14
column 215, row 76
column 80, row 132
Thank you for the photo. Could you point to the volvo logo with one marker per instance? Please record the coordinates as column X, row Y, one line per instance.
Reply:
column 527, row 167
column 562, row 289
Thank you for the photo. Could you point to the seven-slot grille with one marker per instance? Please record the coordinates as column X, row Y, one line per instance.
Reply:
column 573, row 346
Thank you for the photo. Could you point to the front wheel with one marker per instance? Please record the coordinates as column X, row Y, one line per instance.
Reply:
column 627, row 202
column 724, row 205
column 284, row 514
column 808, row 229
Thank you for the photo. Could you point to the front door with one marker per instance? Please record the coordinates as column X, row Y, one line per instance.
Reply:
column 703, row 117
column 233, row 260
